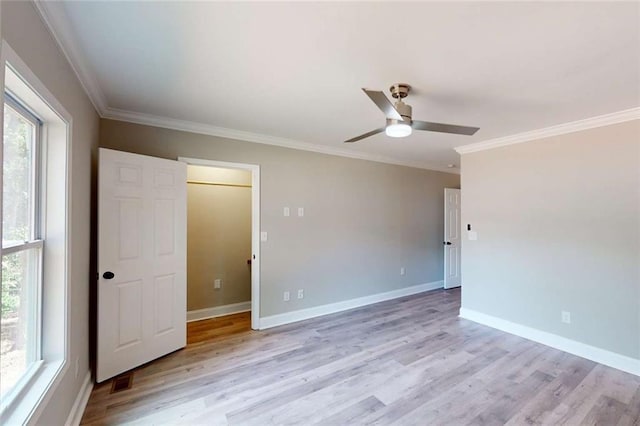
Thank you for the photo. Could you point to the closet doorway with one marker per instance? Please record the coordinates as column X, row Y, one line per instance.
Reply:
column 223, row 237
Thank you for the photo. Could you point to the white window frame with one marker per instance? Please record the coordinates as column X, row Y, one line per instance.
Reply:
column 34, row 241
column 35, row 393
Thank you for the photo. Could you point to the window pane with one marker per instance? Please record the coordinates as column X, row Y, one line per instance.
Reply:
column 18, row 178
column 18, row 324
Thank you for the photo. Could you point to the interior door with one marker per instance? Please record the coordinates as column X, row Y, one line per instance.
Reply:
column 141, row 260
column 452, row 231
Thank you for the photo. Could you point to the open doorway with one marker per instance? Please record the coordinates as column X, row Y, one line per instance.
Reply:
column 222, row 239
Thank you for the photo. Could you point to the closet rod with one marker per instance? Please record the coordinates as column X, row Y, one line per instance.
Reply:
column 200, row 182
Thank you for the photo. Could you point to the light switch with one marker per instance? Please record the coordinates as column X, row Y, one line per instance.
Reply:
column 263, row 236
column 473, row 235
column 300, row 211
column 287, row 212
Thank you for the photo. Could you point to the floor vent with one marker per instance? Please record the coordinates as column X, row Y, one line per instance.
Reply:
column 122, row 382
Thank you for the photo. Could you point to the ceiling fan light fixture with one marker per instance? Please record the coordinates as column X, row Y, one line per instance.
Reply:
column 400, row 123
column 398, row 130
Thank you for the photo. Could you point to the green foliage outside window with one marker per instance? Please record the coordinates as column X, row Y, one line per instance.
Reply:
column 16, row 204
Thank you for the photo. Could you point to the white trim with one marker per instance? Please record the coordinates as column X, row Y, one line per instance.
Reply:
column 560, row 129
column 77, row 410
column 56, row 20
column 223, row 132
column 255, row 226
column 317, row 311
column 218, row 311
column 29, row 405
column 22, row 386
column 27, row 77
column 602, row 356
column 56, row 360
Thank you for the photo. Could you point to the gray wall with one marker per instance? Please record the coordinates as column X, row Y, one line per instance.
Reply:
column 363, row 220
column 558, row 224
column 25, row 32
column 218, row 237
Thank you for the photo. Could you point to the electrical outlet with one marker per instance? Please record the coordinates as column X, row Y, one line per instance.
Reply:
column 566, row 317
column 301, row 294
column 286, row 296
column 402, row 271
column 217, row 284
column 300, row 211
column 286, row 212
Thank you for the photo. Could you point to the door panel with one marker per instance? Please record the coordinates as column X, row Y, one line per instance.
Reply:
column 129, row 227
column 129, row 313
column 164, row 288
column 452, row 231
column 142, row 241
column 164, row 221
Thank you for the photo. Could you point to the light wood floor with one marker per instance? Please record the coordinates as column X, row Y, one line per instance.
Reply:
column 409, row 361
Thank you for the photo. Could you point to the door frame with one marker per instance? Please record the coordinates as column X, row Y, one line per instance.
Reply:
column 255, row 226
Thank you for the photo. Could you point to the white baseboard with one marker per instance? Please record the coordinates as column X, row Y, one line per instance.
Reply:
column 77, row 410
column 303, row 314
column 218, row 311
column 602, row 356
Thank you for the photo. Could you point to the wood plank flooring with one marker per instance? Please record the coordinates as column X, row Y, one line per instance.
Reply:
column 408, row 361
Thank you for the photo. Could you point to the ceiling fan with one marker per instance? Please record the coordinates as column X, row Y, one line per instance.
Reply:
column 399, row 122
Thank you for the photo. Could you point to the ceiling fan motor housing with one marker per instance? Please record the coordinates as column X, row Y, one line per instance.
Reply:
column 399, row 90
column 404, row 110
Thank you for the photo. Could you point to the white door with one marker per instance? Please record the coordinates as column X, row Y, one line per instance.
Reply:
column 141, row 260
column 452, row 230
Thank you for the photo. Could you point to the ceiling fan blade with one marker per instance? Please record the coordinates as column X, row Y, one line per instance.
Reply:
column 383, row 103
column 366, row 135
column 444, row 128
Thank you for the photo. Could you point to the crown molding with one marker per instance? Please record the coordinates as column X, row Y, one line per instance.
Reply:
column 55, row 19
column 57, row 22
column 223, row 132
column 560, row 129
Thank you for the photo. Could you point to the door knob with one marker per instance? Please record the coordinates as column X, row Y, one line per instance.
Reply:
column 447, row 243
column 108, row 275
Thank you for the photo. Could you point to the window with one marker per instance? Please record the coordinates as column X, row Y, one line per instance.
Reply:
column 36, row 135
column 22, row 247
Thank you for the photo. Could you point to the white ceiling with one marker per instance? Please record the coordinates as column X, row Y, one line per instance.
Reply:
column 294, row 70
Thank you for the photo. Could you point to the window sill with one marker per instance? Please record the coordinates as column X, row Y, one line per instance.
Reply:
column 35, row 392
